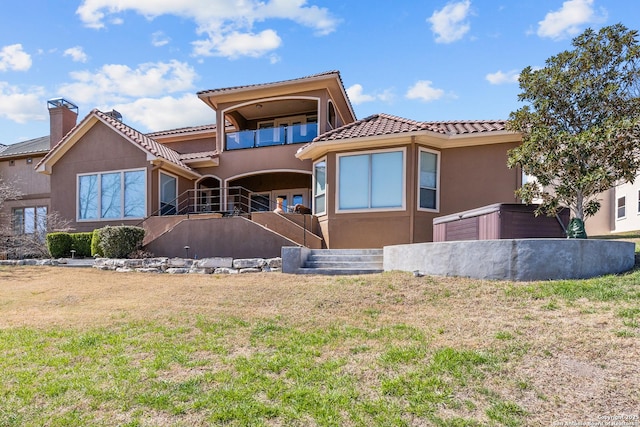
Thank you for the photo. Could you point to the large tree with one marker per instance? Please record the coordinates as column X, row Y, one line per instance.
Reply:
column 581, row 125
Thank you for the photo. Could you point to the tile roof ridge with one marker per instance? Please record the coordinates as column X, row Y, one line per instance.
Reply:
column 144, row 141
column 322, row 74
column 183, row 129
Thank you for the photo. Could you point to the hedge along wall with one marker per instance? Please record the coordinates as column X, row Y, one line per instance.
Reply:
column 111, row 242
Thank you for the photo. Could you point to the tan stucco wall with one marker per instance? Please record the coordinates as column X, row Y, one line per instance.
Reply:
column 99, row 150
column 470, row 177
column 239, row 163
column 23, row 176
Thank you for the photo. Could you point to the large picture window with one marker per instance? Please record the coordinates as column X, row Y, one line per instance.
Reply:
column 320, row 187
column 112, row 195
column 428, row 180
column 371, row 181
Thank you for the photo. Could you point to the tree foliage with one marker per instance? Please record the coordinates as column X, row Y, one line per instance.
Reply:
column 580, row 129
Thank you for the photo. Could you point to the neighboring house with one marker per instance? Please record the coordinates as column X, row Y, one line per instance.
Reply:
column 212, row 189
column 27, row 214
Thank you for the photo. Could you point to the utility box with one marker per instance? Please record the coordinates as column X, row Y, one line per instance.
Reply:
column 499, row 221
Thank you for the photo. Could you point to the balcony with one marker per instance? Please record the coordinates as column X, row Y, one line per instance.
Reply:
column 267, row 137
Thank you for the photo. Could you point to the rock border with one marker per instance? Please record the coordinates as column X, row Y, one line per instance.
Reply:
column 217, row 265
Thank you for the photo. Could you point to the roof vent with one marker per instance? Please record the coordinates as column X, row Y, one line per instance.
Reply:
column 61, row 102
column 115, row 114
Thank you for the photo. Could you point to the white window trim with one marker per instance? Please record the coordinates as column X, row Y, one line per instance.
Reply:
column 98, row 219
column 437, row 153
column 369, row 210
column 313, row 183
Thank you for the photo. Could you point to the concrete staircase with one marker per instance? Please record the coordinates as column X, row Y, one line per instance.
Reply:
column 342, row 261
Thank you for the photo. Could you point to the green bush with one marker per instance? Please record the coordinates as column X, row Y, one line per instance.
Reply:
column 81, row 243
column 95, row 243
column 59, row 244
column 120, row 241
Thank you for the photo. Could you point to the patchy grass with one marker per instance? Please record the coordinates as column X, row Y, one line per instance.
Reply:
column 91, row 348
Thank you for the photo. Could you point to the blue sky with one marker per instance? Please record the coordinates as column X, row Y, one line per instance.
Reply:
column 423, row 60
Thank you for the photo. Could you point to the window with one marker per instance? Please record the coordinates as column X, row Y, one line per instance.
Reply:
column 428, row 180
column 331, row 116
column 168, row 194
column 371, row 181
column 320, row 187
column 621, row 210
column 31, row 220
column 112, row 195
column 638, row 202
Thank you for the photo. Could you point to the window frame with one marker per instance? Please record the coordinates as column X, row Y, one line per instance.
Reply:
column 403, row 204
column 437, row 189
column 176, row 178
column 623, row 206
column 98, row 175
column 324, row 193
column 39, row 224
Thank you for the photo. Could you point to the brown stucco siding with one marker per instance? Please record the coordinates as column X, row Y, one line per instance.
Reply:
column 252, row 161
column 476, row 176
column 23, row 177
column 470, row 177
column 99, row 150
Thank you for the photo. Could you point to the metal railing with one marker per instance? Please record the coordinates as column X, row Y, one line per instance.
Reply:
column 267, row 137
column 225, row 200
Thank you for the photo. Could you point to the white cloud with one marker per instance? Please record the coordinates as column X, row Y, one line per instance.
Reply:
column 21, row 107
column 155, row 114
column 12, row 57
column 118, row 83
column 568, row 20
column 159, row 39
column 449, row 23
column 356, row 95
column 77, row 54
column 235, row 45
column 423, row 91
column 220, row 21
column 499, row 77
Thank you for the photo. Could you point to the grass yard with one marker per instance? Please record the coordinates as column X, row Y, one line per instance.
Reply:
column 81, row 347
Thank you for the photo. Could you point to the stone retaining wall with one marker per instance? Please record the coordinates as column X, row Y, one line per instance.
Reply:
column 168, row 265
column 218, row 265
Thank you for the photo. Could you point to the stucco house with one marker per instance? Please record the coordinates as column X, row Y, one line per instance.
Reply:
column 371, row 182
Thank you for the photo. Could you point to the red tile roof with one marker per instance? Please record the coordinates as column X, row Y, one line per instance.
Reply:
column 136, row 137
column 184, row 130
column 232, row 88
column 386, row 124
column 200, row 155
column 143, row 140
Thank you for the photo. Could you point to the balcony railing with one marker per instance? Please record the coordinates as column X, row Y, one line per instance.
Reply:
column 225, row 200
column 294, row 134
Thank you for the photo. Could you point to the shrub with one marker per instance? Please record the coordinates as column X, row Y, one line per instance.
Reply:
column 95, row 243
column 120, row 241
column 59, row 244
column 81, row 243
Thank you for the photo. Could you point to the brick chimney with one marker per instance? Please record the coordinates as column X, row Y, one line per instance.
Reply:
column 63, row 116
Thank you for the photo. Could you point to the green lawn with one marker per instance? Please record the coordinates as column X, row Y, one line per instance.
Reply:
column 372, row 364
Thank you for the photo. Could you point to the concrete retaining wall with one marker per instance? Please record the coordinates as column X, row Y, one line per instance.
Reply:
column 514, row 259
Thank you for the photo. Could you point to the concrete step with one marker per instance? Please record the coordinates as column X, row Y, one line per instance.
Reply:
column 343, row 261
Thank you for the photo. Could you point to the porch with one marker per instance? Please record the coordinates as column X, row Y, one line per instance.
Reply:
column 227, row 222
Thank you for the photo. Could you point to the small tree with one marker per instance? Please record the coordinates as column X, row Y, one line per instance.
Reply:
column 580, row 133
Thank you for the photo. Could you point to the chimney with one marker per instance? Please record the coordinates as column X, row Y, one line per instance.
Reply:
column 63, row 115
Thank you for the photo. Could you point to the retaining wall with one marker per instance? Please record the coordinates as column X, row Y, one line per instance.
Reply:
column 514, row 259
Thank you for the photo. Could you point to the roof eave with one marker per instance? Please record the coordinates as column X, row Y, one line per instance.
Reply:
column 318, row 149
